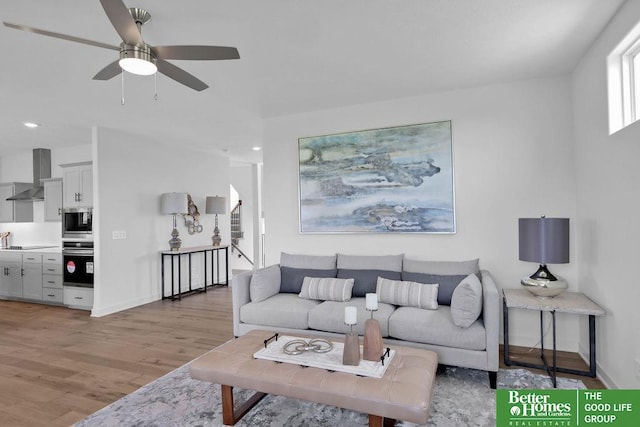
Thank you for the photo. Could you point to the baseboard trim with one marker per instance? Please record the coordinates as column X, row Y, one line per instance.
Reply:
column 600, row 372
column 104, row 311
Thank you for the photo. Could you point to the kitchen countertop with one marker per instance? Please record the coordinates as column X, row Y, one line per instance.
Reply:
column 48, row 250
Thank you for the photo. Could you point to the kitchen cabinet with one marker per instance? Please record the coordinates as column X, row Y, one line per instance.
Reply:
column 81, row 298
column 52, row 199
column 32, row 276
column 77, row 185
column 11, row 275
column 15, row 211
column 52, row 278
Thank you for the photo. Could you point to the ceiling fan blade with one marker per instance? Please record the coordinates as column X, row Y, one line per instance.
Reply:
column 109, row 72
column 122, row 21
column 60, row 36
column 196, row 52
column 180, row 75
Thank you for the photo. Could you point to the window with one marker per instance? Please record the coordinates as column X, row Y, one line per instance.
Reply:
column 623, row 70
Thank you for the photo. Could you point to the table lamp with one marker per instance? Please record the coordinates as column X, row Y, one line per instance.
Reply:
column 545, row 241
column 174, row 204
column 216, row 205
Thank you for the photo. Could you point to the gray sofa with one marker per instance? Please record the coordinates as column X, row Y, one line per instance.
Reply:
column 451, row 308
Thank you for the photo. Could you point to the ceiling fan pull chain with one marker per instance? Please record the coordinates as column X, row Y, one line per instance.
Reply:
column 122, row 87
column 155, row 85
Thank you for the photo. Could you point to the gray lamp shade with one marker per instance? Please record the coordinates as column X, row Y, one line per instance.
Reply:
column 544, row 240
column 173, row 203
column 216, row 205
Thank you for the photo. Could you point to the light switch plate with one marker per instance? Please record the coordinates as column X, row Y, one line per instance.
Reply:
column 119, row 234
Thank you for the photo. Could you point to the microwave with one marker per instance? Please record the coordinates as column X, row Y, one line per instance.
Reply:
column 77, row 223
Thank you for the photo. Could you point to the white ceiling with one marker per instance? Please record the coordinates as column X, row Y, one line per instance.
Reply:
column 296, row 56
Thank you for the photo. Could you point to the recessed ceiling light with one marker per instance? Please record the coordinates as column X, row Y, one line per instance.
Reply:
column 257, row 148
column 31, row 124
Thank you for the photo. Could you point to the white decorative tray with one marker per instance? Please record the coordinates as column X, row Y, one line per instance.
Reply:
column 331, row 360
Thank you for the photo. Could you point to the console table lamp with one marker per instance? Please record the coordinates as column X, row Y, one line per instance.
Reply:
column 372, row 345
column 351, row 351
column 174, row 204
column 545, row 241
column 216, row 205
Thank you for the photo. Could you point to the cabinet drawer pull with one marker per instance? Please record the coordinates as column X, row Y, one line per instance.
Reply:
column 51, row 281
column 78, row 298
column 51, row 295
column 51, row 269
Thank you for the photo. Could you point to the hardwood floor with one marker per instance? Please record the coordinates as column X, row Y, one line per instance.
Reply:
column 59, row 365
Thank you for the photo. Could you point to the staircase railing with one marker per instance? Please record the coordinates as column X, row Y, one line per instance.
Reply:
column 236, row 231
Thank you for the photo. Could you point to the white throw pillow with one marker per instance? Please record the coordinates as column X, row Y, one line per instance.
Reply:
column 407, row 294
column 326, row 289
column 264, row 283
column 466, row 301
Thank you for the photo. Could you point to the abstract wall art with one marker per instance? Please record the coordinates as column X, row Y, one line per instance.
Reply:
column 389, row 180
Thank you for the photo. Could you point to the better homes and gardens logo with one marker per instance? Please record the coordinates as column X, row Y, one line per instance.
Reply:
column 545, row 408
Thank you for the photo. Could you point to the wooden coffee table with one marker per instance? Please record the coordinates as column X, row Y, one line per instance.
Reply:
column 403, row 393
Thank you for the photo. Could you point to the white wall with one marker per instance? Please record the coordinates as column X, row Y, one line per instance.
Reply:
column 609, row 207
column 130, row 174
column 512, row 158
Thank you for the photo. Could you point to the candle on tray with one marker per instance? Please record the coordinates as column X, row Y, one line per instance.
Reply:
column 350, row 315
column 372, row 302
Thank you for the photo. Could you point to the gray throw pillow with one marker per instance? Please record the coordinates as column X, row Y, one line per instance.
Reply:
column 291, row 278
column 264, row 283
column 466, row 302
column 408, row 294
column 366, row 280
column 326, row 289
column 447, row 283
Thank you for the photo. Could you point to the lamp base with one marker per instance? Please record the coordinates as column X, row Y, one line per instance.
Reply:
column 543, row 284
column 351, row 351
column 372, row 346
column 175, row 242
column 216, row 239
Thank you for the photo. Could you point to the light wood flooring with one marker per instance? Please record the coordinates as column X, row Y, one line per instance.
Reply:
column 59, row 365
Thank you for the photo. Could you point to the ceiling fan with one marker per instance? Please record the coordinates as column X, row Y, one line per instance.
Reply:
column 138, row 57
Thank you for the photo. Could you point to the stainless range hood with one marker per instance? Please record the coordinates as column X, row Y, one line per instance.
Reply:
column 41, row 170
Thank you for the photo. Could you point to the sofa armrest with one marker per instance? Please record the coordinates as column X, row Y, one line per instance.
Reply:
column 240, row 296
column 491, row 319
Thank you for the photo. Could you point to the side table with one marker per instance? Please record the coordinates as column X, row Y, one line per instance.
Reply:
column 566, row 302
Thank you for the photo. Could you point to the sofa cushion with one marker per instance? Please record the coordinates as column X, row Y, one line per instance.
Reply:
column 264, row 283
column 435, row 327
column 466, row 302
column 314, row 262
column 408, row 294
column 365, row 281
column 291, row 278
column 326, row 288
column 370, row 262
column 329, row 316
column 272, row 312
column 446, row 283
column 445, row 268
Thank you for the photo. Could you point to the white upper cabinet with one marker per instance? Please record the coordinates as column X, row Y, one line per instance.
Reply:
column 77, row 185
column 53, row 200
column 18, row 211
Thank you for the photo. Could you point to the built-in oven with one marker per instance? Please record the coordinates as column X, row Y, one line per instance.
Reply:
column 77, row 263
column 77, row 223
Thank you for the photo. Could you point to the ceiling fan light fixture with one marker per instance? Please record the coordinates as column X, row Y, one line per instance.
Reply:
column 137, row 60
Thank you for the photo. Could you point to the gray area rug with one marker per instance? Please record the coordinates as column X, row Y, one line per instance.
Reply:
column 462, row 397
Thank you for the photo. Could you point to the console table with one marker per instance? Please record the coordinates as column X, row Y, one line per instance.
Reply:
column 566, row 302
column 176, row 258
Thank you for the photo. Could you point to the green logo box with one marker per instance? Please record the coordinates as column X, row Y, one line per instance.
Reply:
column 546, row 408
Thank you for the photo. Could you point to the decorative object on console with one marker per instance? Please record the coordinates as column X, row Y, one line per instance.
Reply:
column 351, row 352
column 544, row 240
column 193, row 224
column 174, row 204
column 372, row 346
column 216, row 205
column 389, row 180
